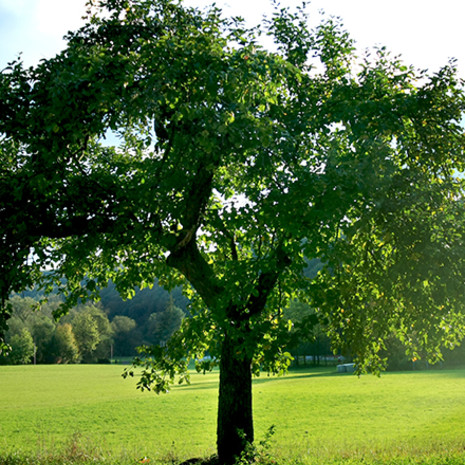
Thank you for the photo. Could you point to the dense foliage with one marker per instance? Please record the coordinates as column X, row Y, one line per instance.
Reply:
column 236, row 164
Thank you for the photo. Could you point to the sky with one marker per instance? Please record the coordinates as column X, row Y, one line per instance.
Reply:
column 425, row 32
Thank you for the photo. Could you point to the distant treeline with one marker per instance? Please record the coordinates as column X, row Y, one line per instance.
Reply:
column 113, row 327
column 91, row 332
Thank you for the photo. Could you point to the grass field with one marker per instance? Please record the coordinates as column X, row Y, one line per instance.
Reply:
column 320, row 416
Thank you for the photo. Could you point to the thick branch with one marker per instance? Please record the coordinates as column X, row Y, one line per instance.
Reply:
column 190, row 262
column 196, row 201
column 266, row 283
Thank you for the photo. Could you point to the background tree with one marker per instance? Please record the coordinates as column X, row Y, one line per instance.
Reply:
column 43, row 329
column 64, row 347
column 103, row 349
column 162, row 325
column 30, row 315
column 24, row 308
column 144, row 302
column 92, row 331
column 125, row 338
column 86, row 333
column 261, row 160
column 22, row 348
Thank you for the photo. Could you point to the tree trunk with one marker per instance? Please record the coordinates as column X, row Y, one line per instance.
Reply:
column 235, row 421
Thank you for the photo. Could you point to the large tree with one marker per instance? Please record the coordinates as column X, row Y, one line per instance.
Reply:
column 235, row 166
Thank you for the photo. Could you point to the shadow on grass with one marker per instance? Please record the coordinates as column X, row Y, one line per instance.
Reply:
column 322, row 372
column 300, row 374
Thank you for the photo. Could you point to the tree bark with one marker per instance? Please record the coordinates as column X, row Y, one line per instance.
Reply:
column 235, row 420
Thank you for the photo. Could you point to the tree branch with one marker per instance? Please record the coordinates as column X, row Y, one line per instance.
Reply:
column 190, row 262
column 266, row 283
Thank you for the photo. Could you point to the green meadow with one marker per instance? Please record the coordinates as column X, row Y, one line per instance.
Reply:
column 320, row 417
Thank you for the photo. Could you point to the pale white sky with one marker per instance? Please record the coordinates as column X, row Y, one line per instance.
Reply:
column 425, row 32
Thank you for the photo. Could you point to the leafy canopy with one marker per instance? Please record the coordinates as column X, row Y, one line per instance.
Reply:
column 236, row 165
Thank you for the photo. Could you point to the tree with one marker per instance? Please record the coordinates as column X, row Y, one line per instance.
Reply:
column 43, row 329
column 23, row 308
column 236, row 166
column 103, row 349
column 86, row 333
column 123, row 334
column 30, row 315
column 22, row 348
column 92, row 331
column 63, row 346
column 163, row 324
column 140, row 306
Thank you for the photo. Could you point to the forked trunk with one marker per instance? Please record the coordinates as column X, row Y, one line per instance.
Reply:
column 235, row 421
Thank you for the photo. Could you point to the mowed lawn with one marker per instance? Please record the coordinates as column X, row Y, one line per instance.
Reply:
column 315, row 412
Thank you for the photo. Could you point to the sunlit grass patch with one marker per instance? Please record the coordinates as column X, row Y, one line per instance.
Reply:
column 90, row 413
